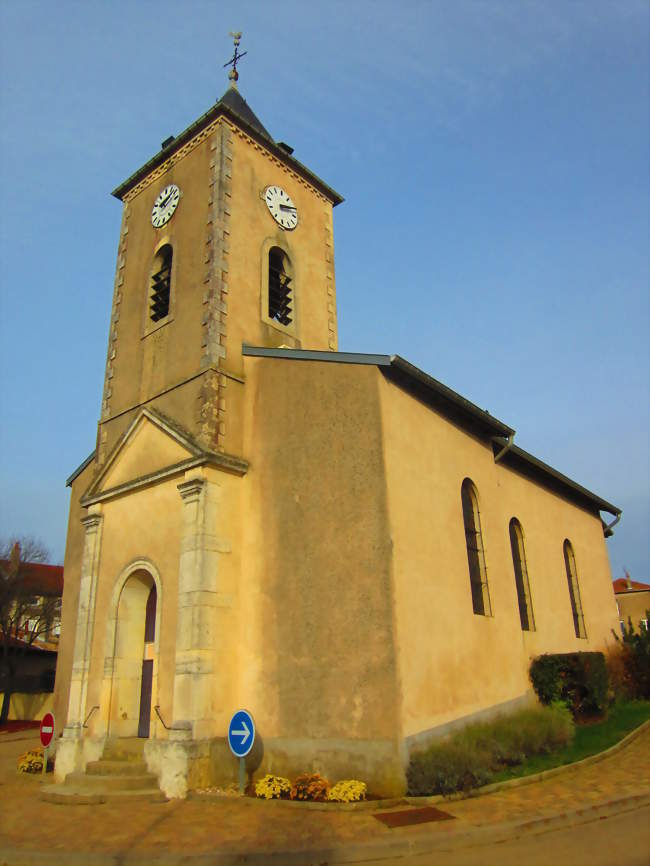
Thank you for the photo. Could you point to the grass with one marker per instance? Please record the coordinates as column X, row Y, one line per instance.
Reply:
column 469, row 757
column 590, row 739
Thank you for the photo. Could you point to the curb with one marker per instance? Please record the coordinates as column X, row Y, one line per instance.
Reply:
column 309, row 805
column 353, row 853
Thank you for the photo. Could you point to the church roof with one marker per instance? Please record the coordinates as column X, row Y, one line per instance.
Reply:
column 233, row 106
column 458, row 409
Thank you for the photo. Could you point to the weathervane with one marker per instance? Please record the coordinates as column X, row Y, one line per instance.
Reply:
column 233, row 75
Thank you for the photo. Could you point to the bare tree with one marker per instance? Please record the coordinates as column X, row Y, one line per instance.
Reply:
column 26, row 612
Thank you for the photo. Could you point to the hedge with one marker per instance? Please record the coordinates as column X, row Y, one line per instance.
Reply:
column 579, row 680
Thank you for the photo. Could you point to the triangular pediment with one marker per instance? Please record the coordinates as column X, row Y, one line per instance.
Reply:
column 152, row 447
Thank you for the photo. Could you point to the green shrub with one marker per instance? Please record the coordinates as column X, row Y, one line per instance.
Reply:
column 468, row 758
column 447, row 767
column 635, row 659
column 577, row 679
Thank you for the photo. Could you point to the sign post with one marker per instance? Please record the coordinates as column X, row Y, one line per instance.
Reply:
column 47, row 734
column 241, row 736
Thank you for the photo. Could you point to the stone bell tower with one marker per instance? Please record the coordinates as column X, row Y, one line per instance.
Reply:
column 226, row 240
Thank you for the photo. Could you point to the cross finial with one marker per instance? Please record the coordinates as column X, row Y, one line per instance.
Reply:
column 233, row 75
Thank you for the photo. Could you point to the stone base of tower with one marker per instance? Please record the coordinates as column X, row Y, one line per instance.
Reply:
column 183, row 764
column 74, row 751
column 375, row 762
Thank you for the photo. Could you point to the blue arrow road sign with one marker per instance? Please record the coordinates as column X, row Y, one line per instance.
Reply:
column 241, row 733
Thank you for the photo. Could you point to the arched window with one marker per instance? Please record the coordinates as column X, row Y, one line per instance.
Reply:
column 280, row 301
column 574, row 589
column 475, row 551
column 521, row 575
column 161, row 278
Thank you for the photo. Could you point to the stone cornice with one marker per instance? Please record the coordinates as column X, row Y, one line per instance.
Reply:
column 226, row 462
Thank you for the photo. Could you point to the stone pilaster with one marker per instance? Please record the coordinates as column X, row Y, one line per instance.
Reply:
column 215, row 298
column 195, row 679
column 332, row 329
column 69, row 751
column 112, row 334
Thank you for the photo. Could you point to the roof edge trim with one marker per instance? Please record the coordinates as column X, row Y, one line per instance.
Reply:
column 564, row 480
column 499, row 427
column 80, row 468
column 316, row 355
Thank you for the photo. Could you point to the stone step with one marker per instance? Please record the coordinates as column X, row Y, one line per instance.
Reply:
column 124, row 749
column 70, row 795
column 116, row 768
column 93, row 783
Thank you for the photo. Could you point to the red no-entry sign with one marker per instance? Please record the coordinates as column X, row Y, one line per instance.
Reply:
column 47, row 729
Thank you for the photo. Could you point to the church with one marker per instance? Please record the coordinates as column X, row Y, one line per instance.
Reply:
column 337, row 542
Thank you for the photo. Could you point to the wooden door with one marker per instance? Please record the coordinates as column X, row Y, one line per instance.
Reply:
column 145, row 698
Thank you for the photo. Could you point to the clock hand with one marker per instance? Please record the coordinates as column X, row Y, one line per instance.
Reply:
column 286, row 207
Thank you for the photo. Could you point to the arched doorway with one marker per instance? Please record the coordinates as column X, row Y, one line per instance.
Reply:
column 133, row 682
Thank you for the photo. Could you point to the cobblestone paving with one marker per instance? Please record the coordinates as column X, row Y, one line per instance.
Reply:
column 197, row 826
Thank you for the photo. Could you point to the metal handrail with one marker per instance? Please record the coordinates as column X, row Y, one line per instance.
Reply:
column 96, row 707
column 166, row 727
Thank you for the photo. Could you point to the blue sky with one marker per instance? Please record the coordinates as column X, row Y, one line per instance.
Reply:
column 493, row 157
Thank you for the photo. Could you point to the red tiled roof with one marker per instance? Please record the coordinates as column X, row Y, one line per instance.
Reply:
column 42, row 579
column 621, row 585
column 35, row 646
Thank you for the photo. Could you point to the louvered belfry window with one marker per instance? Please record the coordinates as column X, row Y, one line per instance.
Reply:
column 475, row 552
column 280, row 288
column 160, row 284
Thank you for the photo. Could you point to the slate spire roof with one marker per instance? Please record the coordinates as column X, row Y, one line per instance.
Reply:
column 233, row 100
column 231, row 105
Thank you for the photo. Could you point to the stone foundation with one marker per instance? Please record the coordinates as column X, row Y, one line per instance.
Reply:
column 73, row 751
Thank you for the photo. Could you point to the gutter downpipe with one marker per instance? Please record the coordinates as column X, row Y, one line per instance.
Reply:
column 608, row 527
column 509, row 443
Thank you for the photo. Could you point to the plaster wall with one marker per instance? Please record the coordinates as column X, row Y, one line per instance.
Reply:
column 317, row 657
column 452, row 662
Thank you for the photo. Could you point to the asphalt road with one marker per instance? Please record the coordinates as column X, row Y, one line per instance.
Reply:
column 619, row 840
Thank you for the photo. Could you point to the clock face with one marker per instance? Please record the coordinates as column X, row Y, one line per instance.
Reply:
column 281, row 208
column 165, row 205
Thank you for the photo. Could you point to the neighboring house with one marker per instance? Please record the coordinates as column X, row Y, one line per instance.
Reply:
column 30, row 628
column 338, row 542
column 632, row 601
column 42, row 581
column 35, row 666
